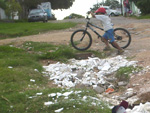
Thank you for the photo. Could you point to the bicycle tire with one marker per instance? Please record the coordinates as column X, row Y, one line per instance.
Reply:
column 122, row 37
column 81, row 40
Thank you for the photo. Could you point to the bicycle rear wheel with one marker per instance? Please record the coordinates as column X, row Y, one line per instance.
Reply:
column 81, row 40
column 122, row 37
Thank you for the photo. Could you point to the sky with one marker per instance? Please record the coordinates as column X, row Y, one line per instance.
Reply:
column 79, row 7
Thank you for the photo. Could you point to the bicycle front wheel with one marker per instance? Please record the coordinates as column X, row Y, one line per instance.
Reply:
column 81, row 40
column 122, row 37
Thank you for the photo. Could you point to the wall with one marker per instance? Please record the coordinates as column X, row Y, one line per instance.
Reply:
column 2, row 14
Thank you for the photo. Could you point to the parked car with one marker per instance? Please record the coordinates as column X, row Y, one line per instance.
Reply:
column 112, row 12
column 37, row 15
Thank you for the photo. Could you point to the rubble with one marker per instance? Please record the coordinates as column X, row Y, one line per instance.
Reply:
column 95, row 73
column 90, row 72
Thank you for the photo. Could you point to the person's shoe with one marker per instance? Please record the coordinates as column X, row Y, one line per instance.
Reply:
column 107, row 49
column 120, row 52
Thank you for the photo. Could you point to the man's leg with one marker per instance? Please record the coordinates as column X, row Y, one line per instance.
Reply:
column 116, row 45
column 106, row 42
column 120, row 50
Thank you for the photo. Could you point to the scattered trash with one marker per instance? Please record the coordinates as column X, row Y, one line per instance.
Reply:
column 59, row 110
column 39, row 94
column 48, row 103
column 10, row 67
column 142, row 108
column 121, row 108
column 109, row 90
column 31, row 80
column 83, row 71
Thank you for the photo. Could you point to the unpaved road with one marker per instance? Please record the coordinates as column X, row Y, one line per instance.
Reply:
column 138, row 50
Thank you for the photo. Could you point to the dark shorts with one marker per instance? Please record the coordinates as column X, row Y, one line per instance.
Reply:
column 109, row 35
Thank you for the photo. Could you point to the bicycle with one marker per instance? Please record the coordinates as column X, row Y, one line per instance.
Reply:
column 81, row 39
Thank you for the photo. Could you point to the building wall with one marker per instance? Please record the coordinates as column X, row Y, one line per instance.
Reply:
column 2, row 14
column 133, row 8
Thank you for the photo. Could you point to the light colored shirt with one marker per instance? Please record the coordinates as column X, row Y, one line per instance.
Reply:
column 106, row 21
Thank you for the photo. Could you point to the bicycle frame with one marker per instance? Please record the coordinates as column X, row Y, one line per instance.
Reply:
column 88, row 25
column 77, row 37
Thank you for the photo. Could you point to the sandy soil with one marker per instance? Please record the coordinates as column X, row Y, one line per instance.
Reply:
column 139, row 49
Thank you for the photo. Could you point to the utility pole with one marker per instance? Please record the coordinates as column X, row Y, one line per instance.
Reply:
column 121, row 7
column 103, row 2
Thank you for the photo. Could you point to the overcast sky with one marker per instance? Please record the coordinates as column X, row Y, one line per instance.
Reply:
column 79, row 7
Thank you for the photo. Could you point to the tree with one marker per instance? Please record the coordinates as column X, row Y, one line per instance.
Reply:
column 61, row 4
column 55, row 4
column 12, row 7
column 112, row 3
column 2, row 4
column 143, row 5
column 73, row 15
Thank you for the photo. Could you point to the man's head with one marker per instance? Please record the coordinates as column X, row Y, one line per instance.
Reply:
column 100, row 10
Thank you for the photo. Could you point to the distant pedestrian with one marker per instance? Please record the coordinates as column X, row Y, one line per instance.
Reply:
column 126, row 7
column 121, row 108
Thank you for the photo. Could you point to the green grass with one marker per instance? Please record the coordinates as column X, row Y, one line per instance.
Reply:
column 58, row 53
column 123, row 74
column 24, row 28
column 141, row 17
column 144, row 17
column 18, row 66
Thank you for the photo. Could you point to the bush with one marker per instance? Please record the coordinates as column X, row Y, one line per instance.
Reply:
column 71, row 16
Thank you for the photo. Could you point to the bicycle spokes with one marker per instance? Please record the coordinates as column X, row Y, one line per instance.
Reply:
column 81, row 40
column 122, row 37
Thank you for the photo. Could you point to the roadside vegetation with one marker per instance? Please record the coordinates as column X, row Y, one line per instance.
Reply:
column 74, row 16
column 123, row 73
column 24, row 88
column 141, row 17
column 9, row 30
column 144, row 17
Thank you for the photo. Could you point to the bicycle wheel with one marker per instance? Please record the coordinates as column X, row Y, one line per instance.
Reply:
column 122, row 37
column 81, row 40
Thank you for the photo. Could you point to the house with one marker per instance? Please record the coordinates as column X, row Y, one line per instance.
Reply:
column 133, row 8
column 2, row 14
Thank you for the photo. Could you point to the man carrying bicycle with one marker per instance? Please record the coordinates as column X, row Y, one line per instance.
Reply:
column 108, row 28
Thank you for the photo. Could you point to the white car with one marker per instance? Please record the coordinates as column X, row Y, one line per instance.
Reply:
column 111, row 12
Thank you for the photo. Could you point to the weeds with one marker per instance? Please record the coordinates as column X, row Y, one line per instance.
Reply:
column 123, row 74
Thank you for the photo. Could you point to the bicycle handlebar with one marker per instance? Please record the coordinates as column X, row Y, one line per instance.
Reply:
column 87, row 17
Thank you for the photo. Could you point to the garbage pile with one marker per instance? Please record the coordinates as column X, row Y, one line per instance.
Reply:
column 89, row 72
column 142, row 108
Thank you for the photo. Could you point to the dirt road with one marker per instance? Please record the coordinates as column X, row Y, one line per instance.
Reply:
column 139, row 29
column 138, row 50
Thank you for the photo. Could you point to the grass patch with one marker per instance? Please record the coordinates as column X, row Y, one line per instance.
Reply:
column 48, row 51
column 141, row 16
column 24, row 28
column 22, row 80
column 144, row 17
column 58, row 53
column 123, row 74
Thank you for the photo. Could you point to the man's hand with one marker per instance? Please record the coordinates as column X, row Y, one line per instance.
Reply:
column 89, row 12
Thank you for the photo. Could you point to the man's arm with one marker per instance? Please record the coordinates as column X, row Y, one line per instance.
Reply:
column 93, row 15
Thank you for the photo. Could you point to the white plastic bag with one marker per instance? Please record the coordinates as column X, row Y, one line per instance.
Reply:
column 142, row 108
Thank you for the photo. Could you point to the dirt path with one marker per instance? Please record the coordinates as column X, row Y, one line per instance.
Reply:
column 138, row 50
